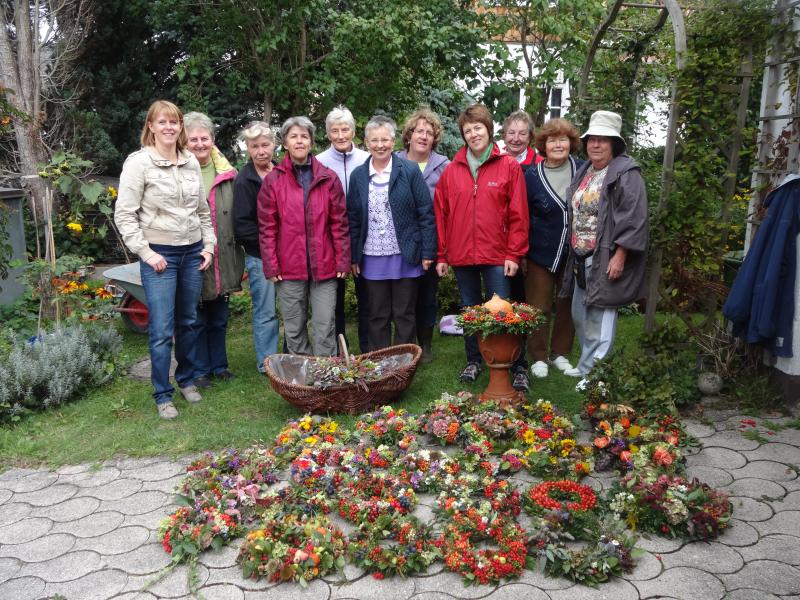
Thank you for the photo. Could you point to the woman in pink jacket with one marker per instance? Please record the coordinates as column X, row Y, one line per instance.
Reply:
column 304, row 239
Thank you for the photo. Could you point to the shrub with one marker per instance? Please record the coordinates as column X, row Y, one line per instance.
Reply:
column 45, row 372
column 656, row 383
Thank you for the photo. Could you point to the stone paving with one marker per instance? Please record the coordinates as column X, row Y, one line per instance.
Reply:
column 87, row 532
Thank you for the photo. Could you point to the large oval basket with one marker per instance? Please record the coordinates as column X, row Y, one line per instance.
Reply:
column 351, row 398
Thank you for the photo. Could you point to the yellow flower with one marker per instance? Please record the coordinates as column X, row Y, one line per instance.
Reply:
column 553, row 460
column 311, row 440
column 529, row 436
column 76, row 227
column 633, row 448
column 634, row 431
column 112, row 192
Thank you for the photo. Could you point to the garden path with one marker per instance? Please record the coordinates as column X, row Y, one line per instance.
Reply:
column 88, row 532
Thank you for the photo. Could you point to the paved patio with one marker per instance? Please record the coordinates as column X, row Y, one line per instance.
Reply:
column 88, row 532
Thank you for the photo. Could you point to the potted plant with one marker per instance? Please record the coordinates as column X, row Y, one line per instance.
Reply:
column 499, row 326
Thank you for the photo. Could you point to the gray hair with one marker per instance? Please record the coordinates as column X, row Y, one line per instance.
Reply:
column 257, row 129
column 379, row 121
column 197, row 120
column 340, row 114
column 522, row 116
column 303, row 122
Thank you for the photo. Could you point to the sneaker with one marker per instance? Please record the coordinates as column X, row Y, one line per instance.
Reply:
column 561, row 363
column 191, row 394
column 520, row 381
column 202, row 382
column 224, row 375
column 581, row 385
column 167, row 410
column 574, row 372
column 470, row 373
column 539, row 369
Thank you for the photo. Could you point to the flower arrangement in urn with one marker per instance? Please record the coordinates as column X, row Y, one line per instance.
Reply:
column 499, row 326
column 499, row 316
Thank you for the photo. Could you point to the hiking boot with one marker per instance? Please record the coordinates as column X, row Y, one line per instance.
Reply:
column 167, row 411
column 520, row 381
column 191, row 394
column 202, row 382
column 224, row 375
column 470, row 373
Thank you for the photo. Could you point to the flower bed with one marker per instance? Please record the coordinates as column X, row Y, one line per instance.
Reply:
column 368, row 479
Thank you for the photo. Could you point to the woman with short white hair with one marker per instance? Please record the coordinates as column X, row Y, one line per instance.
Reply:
column 392, row 235
column 260, row 141
column 304, row 239
column 343, row 157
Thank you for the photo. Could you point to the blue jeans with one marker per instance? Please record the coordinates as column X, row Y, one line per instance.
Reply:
column 172, row 299
column 265, row 321
column 469, row 286
column 212, row 317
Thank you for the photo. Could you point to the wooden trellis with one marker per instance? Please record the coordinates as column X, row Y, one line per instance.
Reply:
column 667, row 9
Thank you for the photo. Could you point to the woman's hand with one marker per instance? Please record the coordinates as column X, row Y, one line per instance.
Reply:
column 510, row 269
column 207, row 257
column 341, row 274
column 616, row 264
column 441, row 269
column 355, row 270
column 158, row 262
column 276, row 279
column 426, row 264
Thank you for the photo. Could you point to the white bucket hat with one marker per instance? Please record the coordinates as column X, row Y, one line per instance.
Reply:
column 606, row 123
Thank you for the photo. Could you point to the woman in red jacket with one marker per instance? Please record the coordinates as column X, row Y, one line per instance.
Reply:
column 481, row 219
column 304, row 239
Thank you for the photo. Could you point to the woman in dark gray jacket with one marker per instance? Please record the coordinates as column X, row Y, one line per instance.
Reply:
column 608, row 239
column 392, row 235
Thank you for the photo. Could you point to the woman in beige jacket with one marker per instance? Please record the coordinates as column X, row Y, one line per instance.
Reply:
column 164, row 218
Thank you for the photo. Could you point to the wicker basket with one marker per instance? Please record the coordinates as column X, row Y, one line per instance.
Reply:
column 351, row 398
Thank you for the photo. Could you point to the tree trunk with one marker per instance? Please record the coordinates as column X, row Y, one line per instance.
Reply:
column 20, row 72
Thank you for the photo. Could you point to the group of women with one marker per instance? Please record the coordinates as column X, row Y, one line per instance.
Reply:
column 531, row 224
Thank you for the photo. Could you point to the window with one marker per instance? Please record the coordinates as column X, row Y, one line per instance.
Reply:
column 555, row 103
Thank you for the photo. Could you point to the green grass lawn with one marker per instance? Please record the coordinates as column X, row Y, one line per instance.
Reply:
column 120, row 418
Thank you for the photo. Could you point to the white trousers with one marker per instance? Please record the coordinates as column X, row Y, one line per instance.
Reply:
column 595, row 327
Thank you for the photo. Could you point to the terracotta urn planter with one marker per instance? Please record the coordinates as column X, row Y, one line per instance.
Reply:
column 499, row 351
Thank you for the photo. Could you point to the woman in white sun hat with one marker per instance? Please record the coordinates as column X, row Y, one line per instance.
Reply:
column 607, row 240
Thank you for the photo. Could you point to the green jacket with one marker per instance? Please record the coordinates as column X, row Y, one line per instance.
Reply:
column 225, row 273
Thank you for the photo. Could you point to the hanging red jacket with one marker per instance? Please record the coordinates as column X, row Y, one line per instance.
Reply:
column 483, row 220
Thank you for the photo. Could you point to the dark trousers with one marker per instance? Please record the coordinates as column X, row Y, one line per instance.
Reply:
column 362, row 314
column 518, row 295
column 212, row 318
column 427, row 304
column 542, row 287
column 391, row 300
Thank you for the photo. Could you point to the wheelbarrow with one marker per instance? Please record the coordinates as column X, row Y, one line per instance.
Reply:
column 133, row 303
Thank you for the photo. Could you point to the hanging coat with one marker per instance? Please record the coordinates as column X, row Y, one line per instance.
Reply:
column 761, row 302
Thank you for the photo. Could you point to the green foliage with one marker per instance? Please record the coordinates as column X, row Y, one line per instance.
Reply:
column 695, row 226
column 555, row 38
column 84, row 220
column 654, row 378
column 279, row 58
column 53, row 368
column 126, row 65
